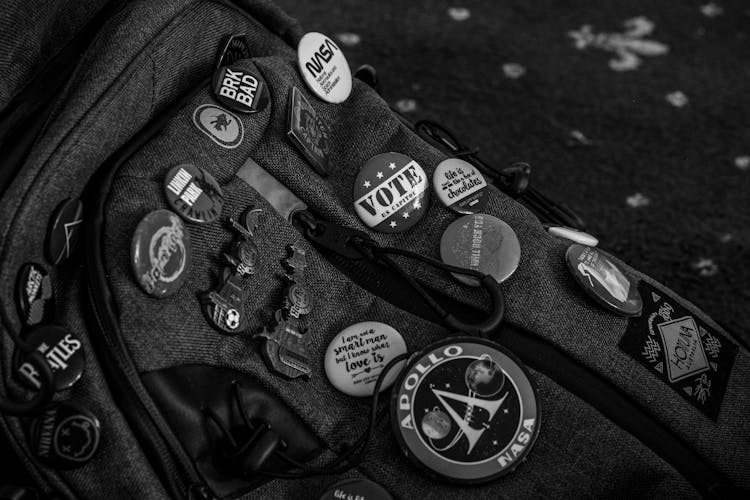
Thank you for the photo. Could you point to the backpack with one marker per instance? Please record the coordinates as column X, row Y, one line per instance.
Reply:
column 221, row 349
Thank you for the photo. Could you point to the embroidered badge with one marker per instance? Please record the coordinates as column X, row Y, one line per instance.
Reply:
column 223, row 127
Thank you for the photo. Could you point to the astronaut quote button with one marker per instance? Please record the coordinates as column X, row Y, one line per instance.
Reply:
column 460, row 186
column 193, row 193
column 391, row 193
column 63, row 352
column 66, row 435
column 356, row 356
column 64, row 229
column 34, row 295
column 324, row 68
column 240, row 89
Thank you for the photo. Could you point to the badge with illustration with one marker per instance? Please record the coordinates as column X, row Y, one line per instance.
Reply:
column 64, row 229
column 460, row 186
column 193, row 193
column 324, row 67
column 235, row 48
column 309, row 132
column 465, row 410
column 65, row 436
column 223, row 127
column 240, row 89
column 34, row 295
column 63, row 352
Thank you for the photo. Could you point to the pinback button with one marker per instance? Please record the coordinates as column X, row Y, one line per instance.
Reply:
column 240, row 89
column 603, row 281
column 324, row 67
column 482, row 243
column 356, row 489
column 64, row 354
column 64, row 229
column 390, row 193
column 65, row 436
column 161, row 253
column 309, row 132
column 235, row 48
column 356, row 356
column 460, row 186
column 573, row 234
column 34, row 295
column 193, row 193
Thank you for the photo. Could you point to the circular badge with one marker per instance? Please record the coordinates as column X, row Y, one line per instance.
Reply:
column 356, row 356
column 465, row 410
column 34, row 295
column 193, row 193
column 390, row 193
column 240, row 89
column 572, row 234
column 460, row 186
column 65, row 436
column 64, row 229
column 324, row 68
column 160, row 253
column 603, row 281
column 483, row 243
column 356, row 489
column 64, row 354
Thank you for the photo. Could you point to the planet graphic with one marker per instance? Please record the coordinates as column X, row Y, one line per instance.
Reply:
column 436, row 424
column 484, row 376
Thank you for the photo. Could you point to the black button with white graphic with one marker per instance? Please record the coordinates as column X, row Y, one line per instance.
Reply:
column 161, row 253
column 390, row 193
column 309, row 132
column 603, row 281
column 34, row 295
column 193, row 193
column 573, row 234
column 235, row 48
column 65, row 436
column 465, row 410
column 356, row 489
column 324, row 68
column 220, row 125
column 64, row 354
column 460, row 186
column 482, row 243
column 64, row 229
column 240, row 89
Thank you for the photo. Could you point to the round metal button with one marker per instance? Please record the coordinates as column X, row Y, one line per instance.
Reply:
column 460, row 186
column 193, row 193
column 324, row 67
column 65, row 436
column 64, row 353
column 34, row 295
column 64, row 229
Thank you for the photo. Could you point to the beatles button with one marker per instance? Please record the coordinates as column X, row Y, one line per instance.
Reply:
column 390, row 193
column 223, row 127
column 573, row 234
column 64, row 354
column 64, row 228
column 193, row 193
column 460, row 186
column 65, row 436
column 161, row 253
column 356, row 489
column 603, row 281
column 483, row 243
column 465, row 410
column 234, row 49
column 356, row 356
column 241, row 90
column 309, row 132
column 34, row 295
column 324, row 68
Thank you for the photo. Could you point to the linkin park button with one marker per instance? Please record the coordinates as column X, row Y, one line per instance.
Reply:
column 309, row 132
column 193, row 193
column 356, row 356
column 356, row 489
column 65, row 436
column 161, row 253
column 324, row 68
column 460, row 186
column 573, row 234
column 390, row 193
column 483, row 243
column 34, row 295
column 465, row 410
column 241, row 90
column 63, row 352
column 603, row 281
column 64, row 228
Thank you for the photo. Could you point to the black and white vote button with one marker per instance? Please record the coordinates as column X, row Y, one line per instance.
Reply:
column 64, row 353
column 465, row 410
column 235, row 48
column 63, row 230
column 309, row 132
column 391, row 193
column 603, row 281
column 356, row 489
column 572, row 234
column 161, row 253
column 482, row 243
column 356, row 356
column 324, row 68
column 65, row 436
column 193, row 193
column 460, row 186
column 241, row 89
column 34, row 295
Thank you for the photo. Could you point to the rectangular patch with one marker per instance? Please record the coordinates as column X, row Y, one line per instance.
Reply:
column 680, row 349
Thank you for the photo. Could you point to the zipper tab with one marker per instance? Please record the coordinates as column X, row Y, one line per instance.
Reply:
column 343, row 241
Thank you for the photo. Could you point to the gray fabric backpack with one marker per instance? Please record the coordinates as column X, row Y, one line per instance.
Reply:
column 185, row 381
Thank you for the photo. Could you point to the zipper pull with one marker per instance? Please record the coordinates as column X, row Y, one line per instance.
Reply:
column 341, row 240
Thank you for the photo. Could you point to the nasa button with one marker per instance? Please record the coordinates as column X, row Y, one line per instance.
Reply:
column 603, row 281
column 63, row 230
column 573, row 234
column 309, row 132
column 324, row 68
column 240, row 89
column 193, row 193
column 65, row 436
column 161, row 253
column 482, row 243
column 356, row 356
column 460, row 186
column 64, row 354
column 465, row 410
column 356, row 489
column 390, row 193
column 34, row 295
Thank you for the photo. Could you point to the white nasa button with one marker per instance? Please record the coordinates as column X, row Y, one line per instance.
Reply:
column 324, row 68
column 460, row 186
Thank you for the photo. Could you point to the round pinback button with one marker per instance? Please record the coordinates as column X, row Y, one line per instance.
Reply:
column 64, row 353
column 161, row 253
column 572, row 234
column 66, row 435
column 390, row 193
column 241, row 89
column 460, row 186
column 356, row 489
column 34, row 295
column 356, row 356
column 482, row 243
column 193, row 193
column 465, row 410
column 63, row 230
column 603, row 281
column 324, row 68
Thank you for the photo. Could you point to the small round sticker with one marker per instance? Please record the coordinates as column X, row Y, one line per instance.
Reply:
column 65, row 436
column 356, row 356
column 34, row 295
column 356, row 489
column 324, row 68
column 483, row 243
column 390, row 193
column 460, row 186
column 603, row 281
column 64, row 354
column 240, row 89
column 572, row 234
column 64, row 229
column 193, row 193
